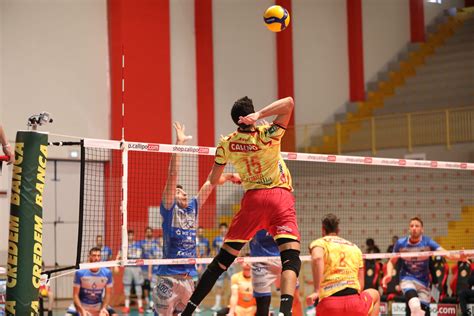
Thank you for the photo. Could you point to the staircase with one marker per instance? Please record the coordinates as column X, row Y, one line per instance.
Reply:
column 457, row 231
column 434, row 74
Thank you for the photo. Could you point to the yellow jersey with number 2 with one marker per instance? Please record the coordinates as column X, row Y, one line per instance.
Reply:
column 256, row 157
column 342, row 261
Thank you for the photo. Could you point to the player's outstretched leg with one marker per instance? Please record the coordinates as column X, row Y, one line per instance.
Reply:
column 291, row 265
column 221, row 262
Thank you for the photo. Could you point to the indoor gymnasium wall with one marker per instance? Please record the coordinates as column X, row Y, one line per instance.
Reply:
column 386, row 30
column 321, row 66
column 433, row 10
column 244, row 58
column 54, row 56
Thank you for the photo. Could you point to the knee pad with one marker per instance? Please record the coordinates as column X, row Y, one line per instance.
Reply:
column 290, row 260
column 225, row 258
column 410, row 294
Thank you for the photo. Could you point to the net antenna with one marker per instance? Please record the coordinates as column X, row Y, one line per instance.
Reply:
column 123, row 145
column 41, row 119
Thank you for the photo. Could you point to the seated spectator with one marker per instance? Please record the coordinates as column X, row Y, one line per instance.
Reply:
column 371, row 247
column 394, row 241
column 467, row 295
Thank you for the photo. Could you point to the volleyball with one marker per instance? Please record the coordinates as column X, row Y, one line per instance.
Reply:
column 276, row 18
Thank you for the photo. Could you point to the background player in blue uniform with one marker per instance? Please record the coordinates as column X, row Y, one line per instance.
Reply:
column 133, row 274
column 92, row 290
column 175, row 282
column 414, row 272
column 105, row 251
column 151, row 250
column 264, row 274
column 219, row 286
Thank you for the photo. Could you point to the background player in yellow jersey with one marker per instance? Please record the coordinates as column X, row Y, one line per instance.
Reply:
column 242, row 302
column 268, row 203
column 338, row 275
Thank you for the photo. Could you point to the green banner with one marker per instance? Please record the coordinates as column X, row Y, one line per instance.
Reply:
column 25, row 238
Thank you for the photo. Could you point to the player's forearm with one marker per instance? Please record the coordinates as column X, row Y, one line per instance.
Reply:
column 77, row 304
column 317, row 268
column 3, row 137
column 106, row 299
column 279, row 107
column 233, row 302
column 389, row 268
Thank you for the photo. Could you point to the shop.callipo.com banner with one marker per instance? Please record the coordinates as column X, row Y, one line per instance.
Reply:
column 435, row 309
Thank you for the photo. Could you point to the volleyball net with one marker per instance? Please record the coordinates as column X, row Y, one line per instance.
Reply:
column 122, row 185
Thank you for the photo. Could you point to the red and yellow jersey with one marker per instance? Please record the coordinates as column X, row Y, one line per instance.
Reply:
column 256, row 157
column 342, row 261
column 245, row 289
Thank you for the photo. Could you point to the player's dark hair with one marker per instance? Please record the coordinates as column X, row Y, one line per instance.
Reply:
column 242, row 107
column 416, row 218
column 370, row 242
column 223, row 225
column 130, row 231
column 179, row 186
column 330, row 223
column 94, row 249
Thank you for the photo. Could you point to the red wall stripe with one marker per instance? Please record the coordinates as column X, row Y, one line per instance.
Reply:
column 355, row 50
column 205, row 99
column 417, row 21
column 142, row 28
column 284, row 43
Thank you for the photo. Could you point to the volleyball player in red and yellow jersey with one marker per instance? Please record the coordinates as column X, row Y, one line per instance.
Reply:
column 268, row 202
column 338, row 275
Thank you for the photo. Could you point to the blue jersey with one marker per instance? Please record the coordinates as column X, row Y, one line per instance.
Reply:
column 415, row 268
column 135, row 250
column 151, row 250
column 105, row 253
column 263, row 245
column 203, row 248
column 92, row 285
column 179, row 237
column 217, row 243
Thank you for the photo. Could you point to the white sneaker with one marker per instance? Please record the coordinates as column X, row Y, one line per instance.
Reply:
column 216, row 308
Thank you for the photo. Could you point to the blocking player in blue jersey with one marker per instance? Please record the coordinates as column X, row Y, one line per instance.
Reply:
column 175, row 282
column 92, row 289
column 414, row 272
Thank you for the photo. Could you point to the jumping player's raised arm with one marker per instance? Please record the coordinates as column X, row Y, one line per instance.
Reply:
column 281, row 108
column 220, row 178
column 170, row 188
